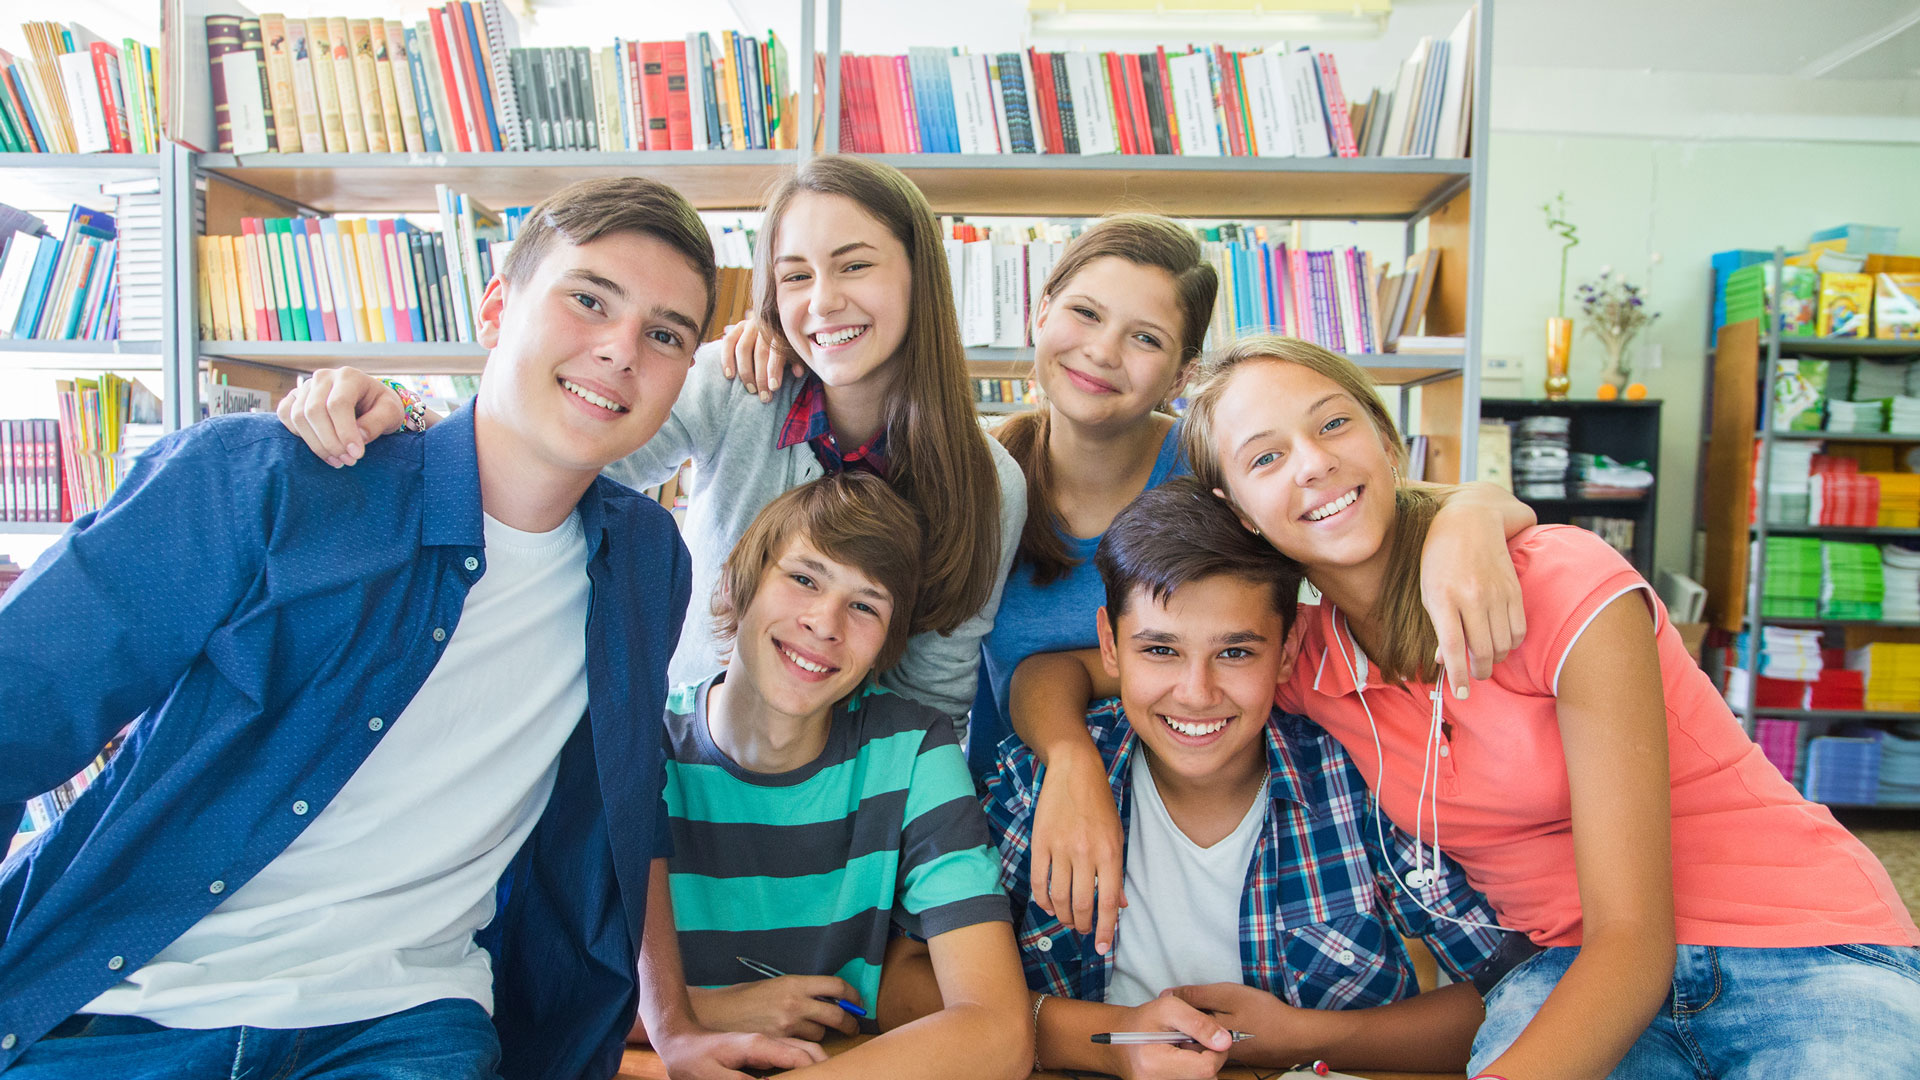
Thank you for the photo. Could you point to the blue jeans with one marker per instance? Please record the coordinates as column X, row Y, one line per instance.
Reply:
column 1735, row 1014
column 450, row 1039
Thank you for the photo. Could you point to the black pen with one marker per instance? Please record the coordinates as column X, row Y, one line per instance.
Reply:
column 772, row 972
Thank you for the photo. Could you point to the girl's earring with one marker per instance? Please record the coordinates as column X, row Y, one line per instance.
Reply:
column 1396, row 475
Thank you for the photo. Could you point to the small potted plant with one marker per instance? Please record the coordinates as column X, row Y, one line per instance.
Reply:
column 1615, row 311
column 1560, row 328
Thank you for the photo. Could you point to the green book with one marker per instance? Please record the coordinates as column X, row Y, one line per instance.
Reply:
column 270, row 232
column 296, row 309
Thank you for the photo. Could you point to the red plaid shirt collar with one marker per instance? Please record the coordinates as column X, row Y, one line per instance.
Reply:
column 806, row 422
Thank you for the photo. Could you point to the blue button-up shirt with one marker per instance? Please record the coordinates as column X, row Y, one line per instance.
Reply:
column 262, row 618
column 1323, row 910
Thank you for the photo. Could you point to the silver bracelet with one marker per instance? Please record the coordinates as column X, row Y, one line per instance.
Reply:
column 1037, row 1000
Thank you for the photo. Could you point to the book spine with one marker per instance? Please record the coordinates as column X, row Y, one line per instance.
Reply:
column 279, row 59
column 310, row 118
column 412, row 252
column 223, row 37
column 501, row 36
column 209, row 300
column 451, row 84
column 353, row 129
column 389, row 86
column 461, row 72
column 399, row 74
column 480, row 72
column 422, row 92
column 1171, row 116
column 312, row 287
column 653, row 96
column 914, row 140
column 106, row 73
column 366, row 79
column 254, row 42
column 1335, row 101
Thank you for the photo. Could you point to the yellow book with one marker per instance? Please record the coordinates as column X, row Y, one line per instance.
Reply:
column 224, row 250
column 366, row 79
column 279, row 57
column 369, row 292
column 403, row 86
column 203, row 267
column 243, row 283
column 306, row 92
column 389, row 93
column 1846, row 301
column 352, row 124
column 216, row 289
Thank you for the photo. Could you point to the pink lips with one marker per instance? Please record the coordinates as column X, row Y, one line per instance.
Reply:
column 1088, row 383
column 803, row 673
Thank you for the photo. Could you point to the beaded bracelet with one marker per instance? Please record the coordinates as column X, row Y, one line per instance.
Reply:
column 413, row 411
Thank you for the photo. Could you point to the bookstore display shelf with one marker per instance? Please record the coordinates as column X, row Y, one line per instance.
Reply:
column 26, row 528
column 1888, row 532
column 379, row 358
column 52, row 181
column 392, row 183
column 1387, row 369
column 1849, row 436
column 1393, row 189
column 1835, row 716
column 1809, row 346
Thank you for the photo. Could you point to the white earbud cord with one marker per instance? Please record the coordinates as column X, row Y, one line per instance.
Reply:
column 1421, row 876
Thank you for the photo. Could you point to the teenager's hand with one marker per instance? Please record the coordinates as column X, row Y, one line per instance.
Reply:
column 1163, row 1061
column 1470, row 590
column 1278, row 1029
column 338, row 411
column 746, row 348
column 1077, row 847
column 719, row 1055
column 785, row 1006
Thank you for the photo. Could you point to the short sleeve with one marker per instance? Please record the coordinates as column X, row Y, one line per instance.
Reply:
column 1567, row 576
column 949, row 874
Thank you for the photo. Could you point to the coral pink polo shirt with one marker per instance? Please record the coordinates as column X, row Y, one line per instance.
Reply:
column 1755, row 864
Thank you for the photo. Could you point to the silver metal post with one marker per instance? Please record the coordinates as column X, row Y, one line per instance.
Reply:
column 804, row 144
column 180, row 332
column 830, row 114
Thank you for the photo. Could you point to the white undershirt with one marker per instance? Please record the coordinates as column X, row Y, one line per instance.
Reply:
column 373, row 908
column 1182, row 921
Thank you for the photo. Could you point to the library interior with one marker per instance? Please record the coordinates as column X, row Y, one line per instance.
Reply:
column 1637, row 282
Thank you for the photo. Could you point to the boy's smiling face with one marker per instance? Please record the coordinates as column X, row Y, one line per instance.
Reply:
column 1197, row 670
column 812, row 633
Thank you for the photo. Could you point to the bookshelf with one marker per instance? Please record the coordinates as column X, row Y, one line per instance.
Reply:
column 1626, row 431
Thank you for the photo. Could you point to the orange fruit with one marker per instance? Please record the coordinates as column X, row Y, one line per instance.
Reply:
column 1637, row 391
column 1607, row 392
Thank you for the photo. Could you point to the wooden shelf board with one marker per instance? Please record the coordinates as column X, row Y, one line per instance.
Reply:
column 1016, row 184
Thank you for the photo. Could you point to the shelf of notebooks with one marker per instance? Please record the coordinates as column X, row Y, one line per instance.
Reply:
column 1845, row 346
column 1885, row 532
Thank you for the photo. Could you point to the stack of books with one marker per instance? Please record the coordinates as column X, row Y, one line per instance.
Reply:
column 1900, row 573
column 1541, row 457
column 1900, row 766
column 1791, row 589
column 1784, row 653
column 1843, row 771
column 139, row 267
column 78, row 94
column 1005, row 391
column 1838, row 493
column 1780, row 741
column 1856, row 416
column 105, row 424
column 32, row 487
column 1851, row 585
column 1892, row 671
column 1789, row 482
column 62, row 289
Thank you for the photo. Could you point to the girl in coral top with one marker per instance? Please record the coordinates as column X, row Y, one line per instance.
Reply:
column 1696, row 916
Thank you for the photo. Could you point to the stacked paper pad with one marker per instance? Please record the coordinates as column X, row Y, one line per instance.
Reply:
column 1877, row 379
column 1842, row 496
column 1856, row 416
column 1892, row 671
column 1900, row 766
column 1839, row 377
column 1770, row 693
column 1899, row 499
column 1903, row 418
column 1851, row 586
column 1792, row 586
column 1838, row 689
column 1784, row 653
column 1900, row 575
column 1540, row 457
column 1843, row 771
column 1780, row 741
column 1789, row 476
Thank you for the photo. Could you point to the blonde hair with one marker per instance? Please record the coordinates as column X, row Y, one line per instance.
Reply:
column 1144, row 240
column 1409, row 643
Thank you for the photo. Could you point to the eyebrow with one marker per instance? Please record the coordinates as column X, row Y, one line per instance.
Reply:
column 1083, row 298
column 837, row 252
column 1236, row 637
column 821, row 569
column 598, row 282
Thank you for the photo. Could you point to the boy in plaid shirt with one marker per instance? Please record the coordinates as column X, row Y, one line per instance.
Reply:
column 1263, row 889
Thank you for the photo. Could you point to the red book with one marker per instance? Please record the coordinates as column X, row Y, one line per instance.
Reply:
column 909, row 112
column 638, row 136
column 1229, row 101
column 1166, row 99
column 106, row 71
column 653, row 96
column 266, row 326
column 1043, row 103
column 886, row 100
column 1122, row 109
column 1137, row 100
column 447, row 77
column 1336, row 102
column 850, row 135
column 679, row 105
column 462, row 44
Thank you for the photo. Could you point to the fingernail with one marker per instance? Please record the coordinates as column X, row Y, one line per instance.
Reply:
column 355, row 449
column 1460, row 692
column 1101, row 948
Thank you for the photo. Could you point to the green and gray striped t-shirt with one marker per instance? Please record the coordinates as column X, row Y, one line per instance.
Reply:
column 805, row 870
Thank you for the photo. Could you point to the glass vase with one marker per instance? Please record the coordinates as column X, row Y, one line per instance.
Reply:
column 1559, row 351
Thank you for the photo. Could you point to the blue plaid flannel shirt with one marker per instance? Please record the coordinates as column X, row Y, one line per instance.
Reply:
column 1321, row 917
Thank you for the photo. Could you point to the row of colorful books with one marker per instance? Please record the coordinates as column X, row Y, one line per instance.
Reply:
column 1340, row 298
column 1276, row 102
column 31, row 487
column 78, row 93
column 105, row 423
column 1004, row 391
column 59, row 288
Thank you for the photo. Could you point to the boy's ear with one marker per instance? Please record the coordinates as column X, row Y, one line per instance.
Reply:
column 493, row 304
column 1109, row 648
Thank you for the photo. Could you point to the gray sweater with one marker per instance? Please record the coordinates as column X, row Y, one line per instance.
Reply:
column 730, row 435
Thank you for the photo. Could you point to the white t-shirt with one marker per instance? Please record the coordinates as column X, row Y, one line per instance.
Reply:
column 1182, row 921
column 373, row 908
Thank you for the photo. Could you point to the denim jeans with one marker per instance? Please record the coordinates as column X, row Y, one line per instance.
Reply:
column 1749, row 1014
column 450, row 1039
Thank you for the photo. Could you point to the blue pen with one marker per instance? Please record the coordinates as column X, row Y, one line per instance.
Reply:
column 772, row 972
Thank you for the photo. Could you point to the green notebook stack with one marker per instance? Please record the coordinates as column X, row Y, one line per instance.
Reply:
column 1792, row 586
column 1851, row 585
column 1746, row 294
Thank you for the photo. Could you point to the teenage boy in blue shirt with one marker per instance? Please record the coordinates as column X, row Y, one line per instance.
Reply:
column 1264, row 894
column 395, row 755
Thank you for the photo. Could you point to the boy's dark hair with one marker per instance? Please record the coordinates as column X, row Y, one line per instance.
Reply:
column 586, row 210
column 1178, row 533
column 853, row 518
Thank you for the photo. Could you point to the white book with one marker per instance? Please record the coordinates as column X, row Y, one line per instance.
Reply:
column 503, row 35
column 1306, row 113
column 976, row 317
column 1266, row 99
column 21, row 253
column 1042, row 257
column 966, row 103
column 1451, row 140
column 696, row 96
column 1092, row 107
column 82, row 91
column 1406, row 100
column 245, row 111
column 956, row 251
column 436, row 89
column 306, row 95
column 1428, row 120
column 1193, row 104
column 1033, row 106
column 621, row 83
column 1004, row 144
column 1009, row 295
column 597, row 75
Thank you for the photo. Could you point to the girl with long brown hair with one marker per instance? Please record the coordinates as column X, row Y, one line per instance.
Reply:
column 853, row 283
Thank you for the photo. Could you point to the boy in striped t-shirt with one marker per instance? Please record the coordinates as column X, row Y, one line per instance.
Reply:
column 812, row 813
